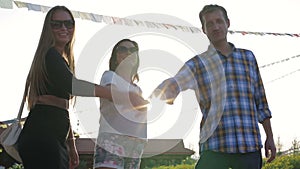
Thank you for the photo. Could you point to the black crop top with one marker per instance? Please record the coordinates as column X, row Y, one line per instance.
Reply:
column 59, row 75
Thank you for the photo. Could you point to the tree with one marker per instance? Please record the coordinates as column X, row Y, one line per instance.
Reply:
column 295, row 146
column 279, row 146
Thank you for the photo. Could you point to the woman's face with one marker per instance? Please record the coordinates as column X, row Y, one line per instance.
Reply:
column 62, row 27
column 126, row 55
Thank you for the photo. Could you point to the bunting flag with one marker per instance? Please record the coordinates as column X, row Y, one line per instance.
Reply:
column 6, row 4
column 131, row 22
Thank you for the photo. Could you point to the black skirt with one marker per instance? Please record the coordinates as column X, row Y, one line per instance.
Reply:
column 42, row 142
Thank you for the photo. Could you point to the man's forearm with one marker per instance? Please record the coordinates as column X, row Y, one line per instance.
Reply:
column 267, row 127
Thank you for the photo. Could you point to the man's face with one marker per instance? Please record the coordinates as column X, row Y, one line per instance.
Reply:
column 215, row 26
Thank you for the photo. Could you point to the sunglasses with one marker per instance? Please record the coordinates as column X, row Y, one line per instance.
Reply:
column 57, row 24
column 123, row 49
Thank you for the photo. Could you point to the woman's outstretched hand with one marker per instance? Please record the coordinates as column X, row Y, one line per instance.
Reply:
column 138, row 102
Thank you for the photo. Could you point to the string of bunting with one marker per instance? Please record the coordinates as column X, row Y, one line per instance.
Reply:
column 265, row 33
column 280, row 61
column 131, row 22
column 284, row 76
column 111, row 19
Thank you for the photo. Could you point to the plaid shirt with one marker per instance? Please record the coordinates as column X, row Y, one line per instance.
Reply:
column 231, row 89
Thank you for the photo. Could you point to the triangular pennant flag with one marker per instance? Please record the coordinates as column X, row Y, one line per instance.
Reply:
column 20, row 4
column 34, row 7
column 45, row 9
column 96, row 17
column 6, row 4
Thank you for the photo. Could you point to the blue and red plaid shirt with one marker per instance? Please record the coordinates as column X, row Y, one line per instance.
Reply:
column 244, row 102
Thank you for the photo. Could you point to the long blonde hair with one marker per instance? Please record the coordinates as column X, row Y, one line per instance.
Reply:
column 37, row 77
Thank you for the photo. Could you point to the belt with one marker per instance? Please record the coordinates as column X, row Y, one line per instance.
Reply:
column 53, row 101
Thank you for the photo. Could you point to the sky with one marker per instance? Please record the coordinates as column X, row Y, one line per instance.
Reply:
column 20, row 32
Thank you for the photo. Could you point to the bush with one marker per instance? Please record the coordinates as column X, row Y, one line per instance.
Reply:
column 181, row 166
column 16, row 166
column 283, row 162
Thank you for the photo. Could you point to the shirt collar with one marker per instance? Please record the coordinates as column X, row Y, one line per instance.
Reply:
column 212, row 50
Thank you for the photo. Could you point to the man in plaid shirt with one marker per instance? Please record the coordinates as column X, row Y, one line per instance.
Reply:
column 231, row 96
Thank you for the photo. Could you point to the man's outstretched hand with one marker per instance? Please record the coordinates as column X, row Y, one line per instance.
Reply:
column 157, row 93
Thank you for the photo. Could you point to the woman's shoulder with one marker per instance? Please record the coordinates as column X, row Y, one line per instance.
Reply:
column 108, row 77
column 52, row 54
column 111, row 77
column 108, row 73
column 52, row 51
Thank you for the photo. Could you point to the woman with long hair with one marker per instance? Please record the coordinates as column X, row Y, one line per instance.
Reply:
column 123, row 127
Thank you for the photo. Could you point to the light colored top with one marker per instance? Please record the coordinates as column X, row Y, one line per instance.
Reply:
column 121, row 118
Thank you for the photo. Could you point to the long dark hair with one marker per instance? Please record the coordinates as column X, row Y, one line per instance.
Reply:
column 113, row 59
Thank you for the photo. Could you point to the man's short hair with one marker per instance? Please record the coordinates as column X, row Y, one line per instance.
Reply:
column 211, row 8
